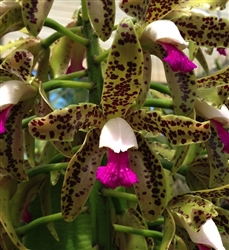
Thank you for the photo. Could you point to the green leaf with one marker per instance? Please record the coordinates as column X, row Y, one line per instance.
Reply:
column 80, row 176
column 11, row 20
column 162, row 149
column 202, row 60
column 102, row 17
column 62, row 124
column 169, row 230
column 34, row 14
column 8, row 187
column 150, row 190
column 19, row 63
column 207, row 31
column 179, row 130
column 124, row 72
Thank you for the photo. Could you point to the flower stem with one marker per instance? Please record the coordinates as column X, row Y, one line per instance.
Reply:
column 119, row 194
column 73, row 75
column 23, row 230
column 159, row 103
column 47, row 42
column 142, row 232
column 55, row 84
column 98, row 59
column 56, row 26
column 160, row 87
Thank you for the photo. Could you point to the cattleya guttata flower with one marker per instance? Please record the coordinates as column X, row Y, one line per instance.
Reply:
column 114, row 128
column 18, row 97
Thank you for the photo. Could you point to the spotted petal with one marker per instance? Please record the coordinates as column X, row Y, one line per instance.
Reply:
column 62, row 124
column 19, row 63
column 150, row 190
column 102, row 17
column 34, row 14
column 80, row 176
column 124, row 73
column 179, row 130
column 11, row 20
column 11, row 143
column 208, row 31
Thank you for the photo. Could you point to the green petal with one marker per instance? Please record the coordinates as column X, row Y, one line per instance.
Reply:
column 34, row 14
column 207, row 31
column 179, row 130
column 202, row 60
column 60, row 56
column 217, row 158
column 124, row 73
column 102, row 17
column 62, row 124
column 80, row 176
column 145, row 85
column 11, row 142
column 169, row 230
column 29, row 146
column 193, row 209
column 8, row 187
column 11, row 20
column 206, row 4
column 150, row 190
column 19, row 63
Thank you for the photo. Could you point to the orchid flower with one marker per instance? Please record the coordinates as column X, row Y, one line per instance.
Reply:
column 11, row 93
column 113, row 128
column 207, row 236
column 218, row 117
column 166, row 33
column 222, row 51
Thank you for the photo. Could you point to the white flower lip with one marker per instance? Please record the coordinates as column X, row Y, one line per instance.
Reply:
column 208, row 235
column 221, row 115
column 117, row 135
column 11, row 92
column 164, row 31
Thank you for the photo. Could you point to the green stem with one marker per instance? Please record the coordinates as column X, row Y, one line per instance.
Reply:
column 119, row 194
column 56, row 26
column 47, row 42
column 55, row 84
column 160, row 87
column 98, row 59
column 100, row 215
column 26, row 121
column 142, row 232
column 159, row 103
column 46, row 168
column 73, row 75
column 23, row 230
